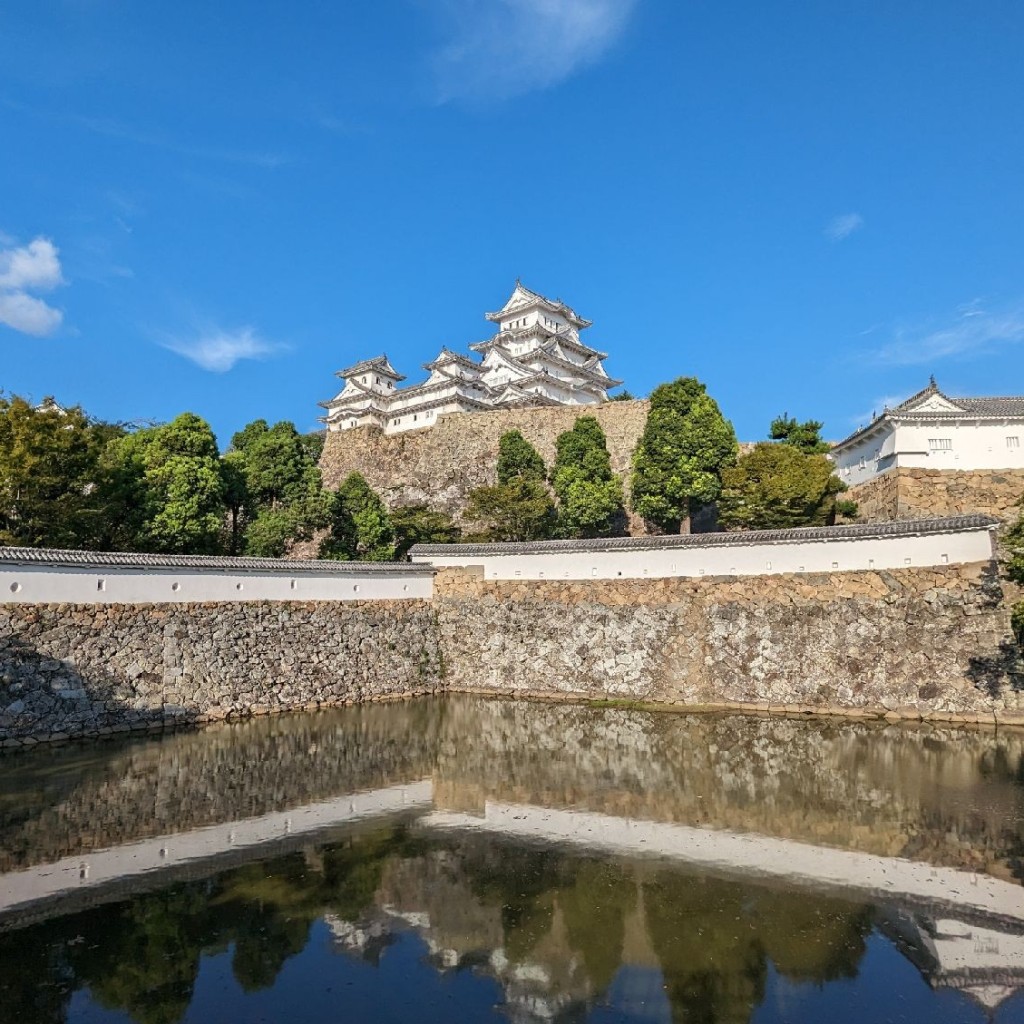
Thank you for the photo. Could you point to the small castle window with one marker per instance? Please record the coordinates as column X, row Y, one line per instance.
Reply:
column 1013, row 442
column 940, row 444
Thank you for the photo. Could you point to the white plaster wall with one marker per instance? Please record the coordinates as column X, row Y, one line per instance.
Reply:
column 48, row 584
column 832, row 555
column 974, row 446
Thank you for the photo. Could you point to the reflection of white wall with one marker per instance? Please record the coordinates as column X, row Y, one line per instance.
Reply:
column 19, row 888
column 36, row 583
column 750, row 854
column 835, row 554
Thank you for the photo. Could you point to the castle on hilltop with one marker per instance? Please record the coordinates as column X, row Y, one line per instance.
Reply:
column 535, row 358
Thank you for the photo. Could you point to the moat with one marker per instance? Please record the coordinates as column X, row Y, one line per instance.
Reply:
column 463, row 859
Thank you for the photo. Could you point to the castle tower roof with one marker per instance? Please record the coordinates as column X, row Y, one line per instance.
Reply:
column 523, row 299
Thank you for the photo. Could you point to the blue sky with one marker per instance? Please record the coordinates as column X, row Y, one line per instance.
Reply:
column 213, row 206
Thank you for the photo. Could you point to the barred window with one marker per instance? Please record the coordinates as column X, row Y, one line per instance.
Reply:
column 940, row 444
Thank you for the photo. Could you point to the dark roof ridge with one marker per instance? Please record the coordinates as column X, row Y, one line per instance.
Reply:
column 857, row 531
column 145, row 560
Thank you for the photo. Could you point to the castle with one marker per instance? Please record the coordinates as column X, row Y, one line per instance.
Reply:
column 535, row 358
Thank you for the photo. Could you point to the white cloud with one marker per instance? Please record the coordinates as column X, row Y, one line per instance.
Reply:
column 503, row 48
column 843, row 226
column 218, row 350
column 29, row 268
column 974, row 332
column 862, row 419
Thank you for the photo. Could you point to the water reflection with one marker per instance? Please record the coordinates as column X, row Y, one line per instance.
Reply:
column 458, row 859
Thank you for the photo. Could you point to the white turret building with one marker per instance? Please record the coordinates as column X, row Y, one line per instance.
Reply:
column 535, row 358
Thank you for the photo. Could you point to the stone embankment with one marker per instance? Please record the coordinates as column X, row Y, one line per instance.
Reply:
column 926, row 493
column 439, row 466
column 919, row 643
column 70, row 670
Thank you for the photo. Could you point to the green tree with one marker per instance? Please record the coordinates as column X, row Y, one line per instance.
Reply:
column 282, row 500
column 418, row 524
column 678, row 463
column 589, row 494
column 805, row 436
column 623, row 396
column 775, row 487
column 518, row 459
column 360, row 527
column 518, row 511
column 169, row 483
column 49, row 474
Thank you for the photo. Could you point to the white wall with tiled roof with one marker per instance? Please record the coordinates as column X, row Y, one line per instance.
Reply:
column 39, row 577
column 960, row 540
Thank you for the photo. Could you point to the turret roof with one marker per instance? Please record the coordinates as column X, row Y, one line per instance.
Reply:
column 524, row 297
column 379, row 364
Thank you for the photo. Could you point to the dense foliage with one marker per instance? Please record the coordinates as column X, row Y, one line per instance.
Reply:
column 518, row 459
column 686, row 444
column 274, row 493
column 777, row 486
column 50, row 475
column 804, row 436
column 418, row 524
column 519, row 507
column 359, row 525
column 589, row 494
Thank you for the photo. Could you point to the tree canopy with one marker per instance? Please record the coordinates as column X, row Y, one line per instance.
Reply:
column 685, row 445
column 777, row 487
column 804, row 436
column 517, row 511
column 359, row 525
column 518, row 459
column 279, row 500
column 50, row 478
column 589, row 494
column 169, row 483
column 418, row 524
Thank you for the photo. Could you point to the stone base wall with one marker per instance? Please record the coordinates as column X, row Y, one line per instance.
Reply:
column 68, row 670
column 924, row 493
column 440, row 465
column 933, row 643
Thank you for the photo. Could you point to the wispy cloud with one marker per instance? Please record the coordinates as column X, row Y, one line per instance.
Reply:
column 878, row 405
column 841, row 227
column 497, row 49
column 24, row 269
column 218, row 350
column 155, row 140
column 972, row 332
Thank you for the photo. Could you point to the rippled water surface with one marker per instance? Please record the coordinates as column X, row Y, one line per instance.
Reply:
column 468, row 859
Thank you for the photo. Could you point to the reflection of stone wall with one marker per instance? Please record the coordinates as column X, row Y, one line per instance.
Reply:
column 924, row 493
column 947, row 795
column 930, row 642
column 81, row 800
column 440, row 465
column 87, row 669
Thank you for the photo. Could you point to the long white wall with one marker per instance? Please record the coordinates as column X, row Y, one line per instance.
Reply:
column 809, row 556
column 108, row 584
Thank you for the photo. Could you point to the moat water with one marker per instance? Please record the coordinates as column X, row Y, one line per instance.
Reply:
column 466, row 859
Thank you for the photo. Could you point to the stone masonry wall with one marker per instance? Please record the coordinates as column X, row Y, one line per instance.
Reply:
column 923, row 493
column 96, row 669
column 440, row 465
column 933, row 643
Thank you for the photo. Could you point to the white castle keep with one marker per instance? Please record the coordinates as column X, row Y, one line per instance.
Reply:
column 536, row 358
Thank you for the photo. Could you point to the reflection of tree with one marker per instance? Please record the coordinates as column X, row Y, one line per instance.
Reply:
column 142, row 957
column 146, row 959
column 34, row 982
column 714, row 937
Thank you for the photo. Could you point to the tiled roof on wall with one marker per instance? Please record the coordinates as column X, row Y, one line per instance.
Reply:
column 139, row 560
column 858, row 531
